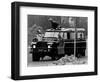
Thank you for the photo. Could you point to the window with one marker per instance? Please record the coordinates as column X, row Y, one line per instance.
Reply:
column 65, row 35
column 80, row 35
column 51, row 34
column 72, row 35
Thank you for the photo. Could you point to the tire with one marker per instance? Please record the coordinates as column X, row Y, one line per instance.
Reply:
column 53, row 58
column 78, row 55
column 83, row 53
column 35, row 58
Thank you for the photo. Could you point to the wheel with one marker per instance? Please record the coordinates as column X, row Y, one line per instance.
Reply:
column 83, row 53
column 35, row 57
column 78, row 55
column 53, row 58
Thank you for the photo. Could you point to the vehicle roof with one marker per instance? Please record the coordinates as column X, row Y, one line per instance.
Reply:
column 66, row 29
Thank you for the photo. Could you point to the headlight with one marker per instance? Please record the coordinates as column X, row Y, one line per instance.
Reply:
column 34, row 46
column 49, row 46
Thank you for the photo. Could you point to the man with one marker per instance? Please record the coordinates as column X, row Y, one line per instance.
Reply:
column 39, row 35
column 61, row 46
column 54, row 24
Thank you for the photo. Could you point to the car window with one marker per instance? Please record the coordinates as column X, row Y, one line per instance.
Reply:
column 65, row 35
column 80, row 35
column 72, row 35
column 51, row 34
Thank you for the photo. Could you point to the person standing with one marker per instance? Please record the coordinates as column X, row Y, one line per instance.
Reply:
column 39, row 35
column 54, row 23
column 61, row 45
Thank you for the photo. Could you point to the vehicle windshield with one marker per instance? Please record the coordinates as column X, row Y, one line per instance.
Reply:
column 51, row 34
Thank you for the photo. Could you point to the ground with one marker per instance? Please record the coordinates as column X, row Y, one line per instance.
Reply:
column 62, row 61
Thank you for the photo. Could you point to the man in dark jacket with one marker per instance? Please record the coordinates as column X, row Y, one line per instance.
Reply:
column 54, row 24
